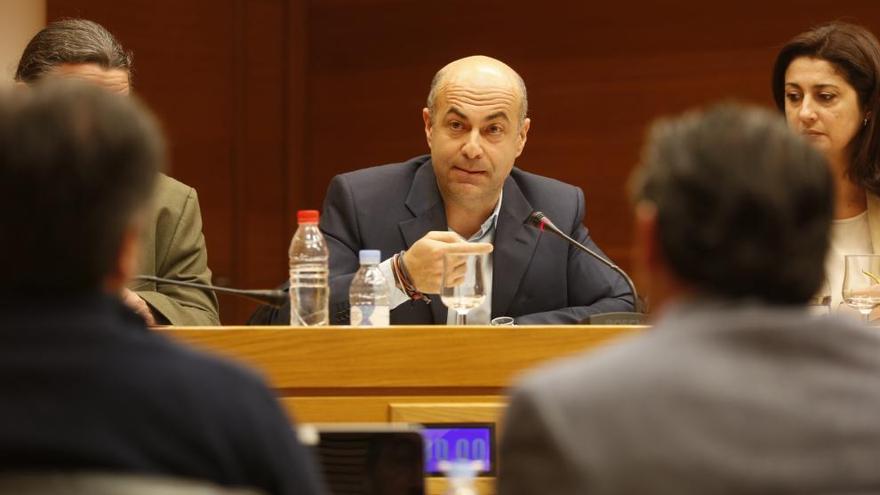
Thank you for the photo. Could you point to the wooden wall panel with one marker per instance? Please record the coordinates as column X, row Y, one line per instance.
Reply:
column 262, row 231
column 266, row 100
column 597, row 74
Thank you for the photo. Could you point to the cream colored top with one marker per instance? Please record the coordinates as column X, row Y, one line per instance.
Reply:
column 848, row 236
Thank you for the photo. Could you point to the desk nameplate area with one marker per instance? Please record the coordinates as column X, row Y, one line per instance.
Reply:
column 413, row 374
column 315, row 361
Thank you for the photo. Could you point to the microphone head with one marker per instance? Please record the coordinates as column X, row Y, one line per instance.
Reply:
column 536, row 219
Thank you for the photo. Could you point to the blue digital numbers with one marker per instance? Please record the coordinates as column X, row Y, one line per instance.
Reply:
column 444, row 442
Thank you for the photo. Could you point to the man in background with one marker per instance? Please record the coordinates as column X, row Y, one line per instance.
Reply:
column 737, row 389
column 84, row 385
column 172, row 245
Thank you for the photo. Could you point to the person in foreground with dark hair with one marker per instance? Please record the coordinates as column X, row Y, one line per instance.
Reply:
column 84, row 385
column 172, row 245
column 827, row 83
column 737, row 389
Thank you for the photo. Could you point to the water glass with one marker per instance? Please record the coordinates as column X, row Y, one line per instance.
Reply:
column 463, row 286
column 861, row 282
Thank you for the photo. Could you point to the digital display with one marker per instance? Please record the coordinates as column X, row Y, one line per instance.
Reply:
column 452, row 442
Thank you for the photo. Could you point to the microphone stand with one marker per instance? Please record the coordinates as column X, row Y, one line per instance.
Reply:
column 539, row 220
column 274, row 298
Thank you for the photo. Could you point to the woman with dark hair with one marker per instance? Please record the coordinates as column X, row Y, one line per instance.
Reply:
column 825, row 80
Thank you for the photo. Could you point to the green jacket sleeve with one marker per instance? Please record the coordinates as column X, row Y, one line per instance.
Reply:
column 173, row 246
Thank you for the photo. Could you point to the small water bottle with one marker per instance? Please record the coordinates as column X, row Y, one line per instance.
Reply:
column 309, row 291
column 460, row 476
column 368, row 295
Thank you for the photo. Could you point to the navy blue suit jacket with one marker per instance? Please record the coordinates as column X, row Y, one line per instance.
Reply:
column 537, row 277
column 85, row 386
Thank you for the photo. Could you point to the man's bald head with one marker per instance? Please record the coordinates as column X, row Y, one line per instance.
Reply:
column 478, row 68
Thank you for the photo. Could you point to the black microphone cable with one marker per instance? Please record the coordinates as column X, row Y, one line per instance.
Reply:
column 540, row 220
column 276, row 298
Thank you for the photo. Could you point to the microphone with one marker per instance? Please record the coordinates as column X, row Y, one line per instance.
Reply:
column 274, row 298
column 540, row 220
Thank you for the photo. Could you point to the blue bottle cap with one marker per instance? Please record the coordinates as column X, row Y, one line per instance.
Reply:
column 370, row 256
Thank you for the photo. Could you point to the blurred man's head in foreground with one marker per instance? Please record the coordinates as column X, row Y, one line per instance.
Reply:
column 731, row 204
column 77, row 167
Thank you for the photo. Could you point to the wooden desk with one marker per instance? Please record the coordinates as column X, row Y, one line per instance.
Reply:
column 410, row 374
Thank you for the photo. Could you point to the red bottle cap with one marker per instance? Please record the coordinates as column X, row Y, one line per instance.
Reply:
column 307, row 216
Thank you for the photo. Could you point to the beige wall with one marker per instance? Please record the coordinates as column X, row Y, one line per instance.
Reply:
column 19, row 20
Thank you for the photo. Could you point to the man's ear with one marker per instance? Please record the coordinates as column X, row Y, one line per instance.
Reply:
column 426, row 116
column 522, row 136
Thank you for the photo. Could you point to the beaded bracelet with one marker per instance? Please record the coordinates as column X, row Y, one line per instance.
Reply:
column 403, row 281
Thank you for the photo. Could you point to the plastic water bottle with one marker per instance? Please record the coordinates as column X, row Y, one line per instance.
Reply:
column 460, row 476
column 309, row 291
column 368, row 295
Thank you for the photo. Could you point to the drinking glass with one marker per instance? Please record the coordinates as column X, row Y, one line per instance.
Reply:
column 502, row 321
column 463, row 285
column 861, row 282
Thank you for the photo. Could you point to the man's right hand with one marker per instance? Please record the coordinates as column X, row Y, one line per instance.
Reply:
column 424, row 259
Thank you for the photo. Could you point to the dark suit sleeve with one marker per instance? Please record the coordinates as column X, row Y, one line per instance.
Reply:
column 270, row 315
column 592, row 287
column 532, row 455
column 340, row 226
